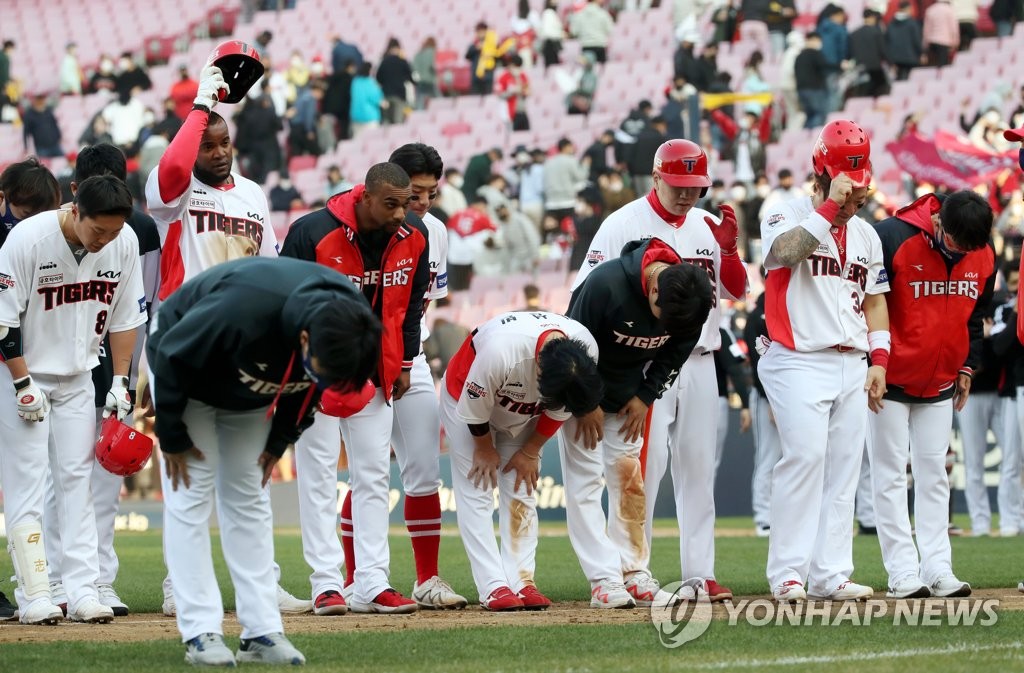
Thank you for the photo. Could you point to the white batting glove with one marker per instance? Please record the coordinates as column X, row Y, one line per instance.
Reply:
column 32, row 402
column 211, row 81
column 761, row 344
column 118, row 399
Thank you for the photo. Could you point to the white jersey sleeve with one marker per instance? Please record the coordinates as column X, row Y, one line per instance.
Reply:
column 438, row 251
column 17, row 263
column 128, row 309
column 786, row 216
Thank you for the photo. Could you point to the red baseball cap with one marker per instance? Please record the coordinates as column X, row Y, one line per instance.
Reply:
column 1014, row 135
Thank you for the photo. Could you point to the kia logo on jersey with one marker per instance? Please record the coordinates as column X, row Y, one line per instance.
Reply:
column 704, row 251
column 108, row 274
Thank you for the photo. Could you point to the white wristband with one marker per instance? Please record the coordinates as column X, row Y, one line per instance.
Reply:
column 879, row 339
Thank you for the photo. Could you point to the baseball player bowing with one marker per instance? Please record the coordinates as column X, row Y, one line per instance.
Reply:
column 506, row 392
column 825, row 310
column 369, row 235
column 67, row 278
column 646, row 311
column 685, row 418
column 238, row 356
column 941, row 273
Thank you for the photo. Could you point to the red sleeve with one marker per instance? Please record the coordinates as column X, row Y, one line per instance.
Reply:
column 726, row 123
column 547, row 426
column 734, row 275
column 174, row 172
column 765, row 130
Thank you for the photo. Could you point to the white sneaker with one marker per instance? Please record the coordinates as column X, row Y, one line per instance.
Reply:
column 272, row 648
column 208, row 649
column 1009, row 532
column 169, row 607
column 436, row 594
column 611, row 595
column 791, row 591
column 950, row 587
column 645, row 590
column 1020, row 587
column 58, row 596
column 909, row 586
column 290, row 605
column 40, row 611
column 92, row 611
column 110, row 598
column 847, row 591
column 762, row 531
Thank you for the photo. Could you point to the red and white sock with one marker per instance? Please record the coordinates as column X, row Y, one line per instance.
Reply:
column 347, row 541
column 423, row 519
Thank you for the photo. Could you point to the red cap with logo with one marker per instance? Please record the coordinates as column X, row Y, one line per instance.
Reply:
column 241, row 66
column 682, row 163
column 843, row 147
column 122, row 449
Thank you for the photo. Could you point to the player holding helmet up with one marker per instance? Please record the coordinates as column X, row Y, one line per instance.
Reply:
column 685, row 418
column 825, row 309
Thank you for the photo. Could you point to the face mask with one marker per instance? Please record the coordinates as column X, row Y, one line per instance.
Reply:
column 148, row 118
column 940, row 244
column 455, row 181
column 737, row 194
column 106, row 67
column 317, row 69
column 124, row 63
column 764, row 190
column 296, row 61
column 7, row 218
column 307, row 364
column 615, row 186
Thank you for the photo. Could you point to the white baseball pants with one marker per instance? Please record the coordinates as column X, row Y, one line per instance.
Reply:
column 685, row 422
column 231, row 443
column 64, row 444
column 821, row 413
column 767, row 452
column 607, row 547
column 924, row 430
column 514, row 565
column 983, row 412
column 864, row 508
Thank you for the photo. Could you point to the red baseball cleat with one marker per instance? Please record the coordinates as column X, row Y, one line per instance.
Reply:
column 716, row 592
column 533, row 599
column 330, row 602
column 502, row 600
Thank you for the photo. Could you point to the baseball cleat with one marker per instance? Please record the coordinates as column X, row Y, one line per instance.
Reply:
column 169, row 607
column 387, row 602
column 716, row 592
column 1020, row 587
column 110, row 598
column 7, row 609
column 611, row 595
column 90, row 610
column 502, row 600
column 645, row 590
column 272, row 648
column 910, row 586
column 58, row 596
column 847, row 591
column 290, row 605
column 436, row 594
column 329, row 602
column 208, row 649
column 41, row 611
column 761, row 530
column 533, row 599
column 950, row 587
column 791, row 591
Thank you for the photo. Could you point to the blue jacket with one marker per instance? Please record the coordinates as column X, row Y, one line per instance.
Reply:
column 366, row 100
column 833, row 42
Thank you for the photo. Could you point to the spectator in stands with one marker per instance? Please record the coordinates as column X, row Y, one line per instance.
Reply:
column 479, row 170
column 171, row 122
column 424, row 71
column 941, row 33
column 468, row 230
column 104, row 79
column 596, row 155
column 749, row 148
column 337, row 101
column 787, row 80
column 336, row 182
column 520, row 239
column 903, row 41
column 125, row 118
column 445, row 340
column 98, row 131
column 5, row 65
column 834, row 48
column 615, row 193
column 27, row 188
column 785, row 189
column 685, row 63
column 1006, row 14
column 367, row 101
column 284, row 197
column 564, row 177
column 724, row 20
column 256, row 138
column 811, row 71
column 394, row 73
column 753, row 81
column 263, row 42
column 581, row 98
column 297, row 76
column 70, row 72
column 343, row 53
column 524, row 31
column 132, row 78
column 150, row 153
column 451, row 199
column 641, row 160
column 967, row 16
column 514, row 174
column 184, row 91
column 639, row 118
column 304, row 120
column 780, row 23
column 751, row 208
column 495, row 192
column 483, row 55
column 531, row 295
column 40, row 125
column 754, row 26
column 551, row 33
column 531, row 188
column 867, row 50
column 707, row 66
column 592, row 26
column 513, row 86
column 1017, row 116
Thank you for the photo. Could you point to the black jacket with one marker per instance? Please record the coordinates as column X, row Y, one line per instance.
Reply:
column 228, row 337
column 641, row 159
column 903, row 42
column 756, row 326
column 810, row 69
column 867, row 47
column 730, row 365
column 612, row 304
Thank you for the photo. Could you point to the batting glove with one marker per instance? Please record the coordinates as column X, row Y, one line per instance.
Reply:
column 727, row 232
column 32, row 402
column 211, row 82
column 118, row 399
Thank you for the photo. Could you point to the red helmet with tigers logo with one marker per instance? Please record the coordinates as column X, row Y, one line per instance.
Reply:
column 843, row 147
column 240, row 64
column 682, row 163
column 122, row 449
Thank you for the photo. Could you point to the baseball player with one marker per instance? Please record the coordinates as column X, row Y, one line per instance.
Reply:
column 825, row 309
column 646, row 310
column 506, row 392
column 685, row 418
column 105, row 159
column 369, row 235
column 67, row 278
column 766, row 436
column 237, row 357
column 941, row 272
column 416, row 423
column 1009, row 350
column 207, row 214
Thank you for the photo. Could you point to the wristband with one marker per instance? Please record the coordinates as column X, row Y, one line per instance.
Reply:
column 829, row 209
column 880, row 339
column 880, row 358
column 967, row 371
column 22, row 383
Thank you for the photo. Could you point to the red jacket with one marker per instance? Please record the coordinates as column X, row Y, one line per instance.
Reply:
column 330, row 237
column 935, row 305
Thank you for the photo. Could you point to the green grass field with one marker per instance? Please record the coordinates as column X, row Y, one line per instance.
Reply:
column 985, row 562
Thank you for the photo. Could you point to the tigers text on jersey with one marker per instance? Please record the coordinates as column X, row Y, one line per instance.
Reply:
column 817, row 304
column 693, row 241
column 494, row 374
column 64, row 307
column 208, row 225
column 437, row 239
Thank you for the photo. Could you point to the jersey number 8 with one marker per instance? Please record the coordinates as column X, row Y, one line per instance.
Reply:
column 101, row 321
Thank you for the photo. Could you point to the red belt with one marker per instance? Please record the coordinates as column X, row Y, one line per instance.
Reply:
column 842, row 349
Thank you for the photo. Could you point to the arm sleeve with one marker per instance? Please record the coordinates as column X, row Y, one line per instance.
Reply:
column 439, row 251
column 174, row 172
column 664, row 369
column 129, row 308
column 16, row 266
column 780, row 220
column 411, row 331
column 733, row 275
column 975, row 325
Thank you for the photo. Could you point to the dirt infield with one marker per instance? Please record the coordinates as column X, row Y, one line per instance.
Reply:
column 146, row 627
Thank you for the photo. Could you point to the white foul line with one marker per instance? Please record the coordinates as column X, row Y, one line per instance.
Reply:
column 855, row 656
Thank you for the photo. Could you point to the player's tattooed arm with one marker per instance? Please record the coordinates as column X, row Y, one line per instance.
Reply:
column 794, row 246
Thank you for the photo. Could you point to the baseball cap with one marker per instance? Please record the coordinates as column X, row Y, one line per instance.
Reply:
column 1014, row 135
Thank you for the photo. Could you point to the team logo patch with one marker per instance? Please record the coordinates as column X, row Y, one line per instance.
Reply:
column 774, row 219
column 5, row 282
column 475, row 391
column 441, row 281
column 595, row 257
column 202, row 203
column 142, row 304
column 52, row 279
column 883, row 277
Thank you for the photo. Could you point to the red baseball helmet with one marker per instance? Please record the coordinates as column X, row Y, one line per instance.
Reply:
column 843, row 147
column 345, row 404
column 121, row 449
column 240, row 63
column 682, row 163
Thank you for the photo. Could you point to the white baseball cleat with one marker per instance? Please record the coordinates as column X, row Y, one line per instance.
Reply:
column 611, row 595
column 58, row 596
column 169, row 607
column 791, row 591
column 272, row 648
column 646, row 590
column 909, row 586
column 41, row 611
column 290, row 605
column 1020, row 587
column 436, row 594
column 92, row 611
column 208, row 649
column 110, row 598
column 950, row 587
column 847, row 591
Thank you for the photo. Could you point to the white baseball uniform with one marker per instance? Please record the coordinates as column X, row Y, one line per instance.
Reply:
column 685, row 419
column 64, row 304
column 493, row 379
column 813, row 375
